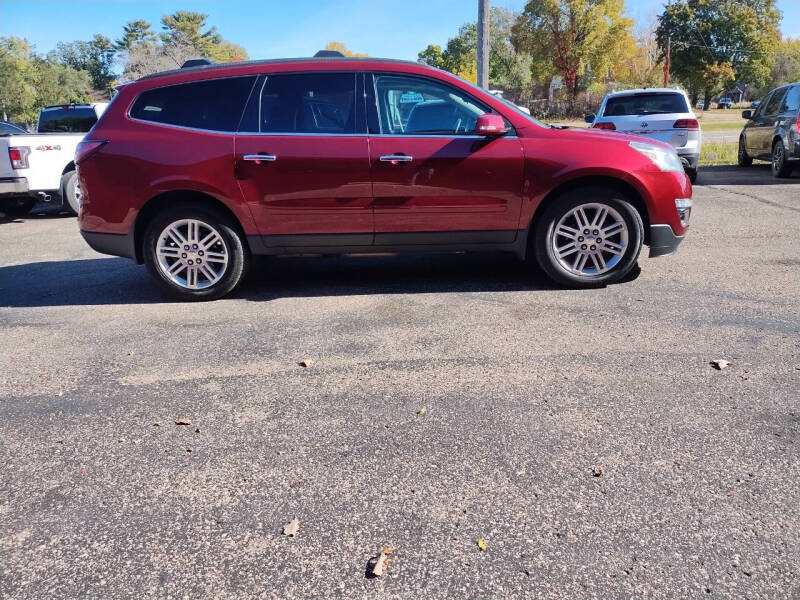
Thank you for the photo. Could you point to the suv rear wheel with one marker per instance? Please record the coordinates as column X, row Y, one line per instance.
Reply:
column 780, row 166
column 71, row 191
column 588, row 238
column 194, row 253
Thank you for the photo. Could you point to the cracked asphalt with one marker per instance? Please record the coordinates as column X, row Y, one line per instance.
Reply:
column 526, row 389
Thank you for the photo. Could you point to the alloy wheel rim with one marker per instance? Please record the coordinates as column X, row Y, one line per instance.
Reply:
column 192, row 254
column 777, row 157
column 590, row 239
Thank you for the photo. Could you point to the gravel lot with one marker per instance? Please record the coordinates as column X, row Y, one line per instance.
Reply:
column 526, row 389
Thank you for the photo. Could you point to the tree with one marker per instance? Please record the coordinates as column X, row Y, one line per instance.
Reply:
column 432, row 56
column 96, row 57
column 645, row 67
column 29, row 82
column 508, row 69
column 715, row 43
column 340, row 47
column 183, row 29
column 571, row 37
column 786, row 67
column 135, row 33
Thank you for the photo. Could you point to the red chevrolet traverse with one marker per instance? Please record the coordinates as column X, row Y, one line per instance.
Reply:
column 195, row 170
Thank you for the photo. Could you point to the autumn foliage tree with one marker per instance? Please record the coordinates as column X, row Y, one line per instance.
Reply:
column 569, row 37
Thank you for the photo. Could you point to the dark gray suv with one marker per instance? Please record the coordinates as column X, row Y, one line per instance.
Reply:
column 772, row 132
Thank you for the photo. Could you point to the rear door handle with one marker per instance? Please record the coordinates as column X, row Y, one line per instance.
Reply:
column 396, row 158
column 257, row 158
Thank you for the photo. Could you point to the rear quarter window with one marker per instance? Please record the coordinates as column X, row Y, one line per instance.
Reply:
column 792, row 100
column 214, row 105
column 645, row 104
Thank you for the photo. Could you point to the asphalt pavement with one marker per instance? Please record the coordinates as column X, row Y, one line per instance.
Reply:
column 582, row 436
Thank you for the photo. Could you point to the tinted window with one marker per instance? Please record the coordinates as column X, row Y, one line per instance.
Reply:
column 774, row 102
column 67, row 120
column 645, row 104
column 417, row 106
column 6, row 128
column 215, row 104
column 308, row 103
column 792, row 100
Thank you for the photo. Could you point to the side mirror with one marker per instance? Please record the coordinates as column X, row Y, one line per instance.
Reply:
column 589, row 118
column 490, row 125
column 747, row 114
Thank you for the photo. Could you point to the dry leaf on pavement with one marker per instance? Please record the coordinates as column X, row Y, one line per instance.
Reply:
column 292, row 527
column 183, row 422
column 481, row 545
column 421, row 412
column 305, row 363
column 720, row 364
column 377, row 566
column 597, row 470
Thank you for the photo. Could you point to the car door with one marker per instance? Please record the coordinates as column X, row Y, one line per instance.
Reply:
column 302, row 160
column 433, row 181
column 764, row 123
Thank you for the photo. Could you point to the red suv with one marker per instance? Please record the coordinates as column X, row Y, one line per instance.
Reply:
column 195, row 170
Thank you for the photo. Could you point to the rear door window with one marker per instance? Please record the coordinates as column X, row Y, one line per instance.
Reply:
column 310, row 103
column 67, row 119
column 774, row 102
column 213, row 105
column 645, row 104
column 792, row 101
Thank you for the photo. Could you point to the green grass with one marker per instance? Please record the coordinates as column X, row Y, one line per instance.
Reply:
column 722, row 126
column 714, row 154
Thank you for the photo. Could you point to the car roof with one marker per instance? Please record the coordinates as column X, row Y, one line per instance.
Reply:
column 233, row 67
column 645, row 91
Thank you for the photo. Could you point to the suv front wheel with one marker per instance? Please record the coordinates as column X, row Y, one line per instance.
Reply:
column 588, row 238
column 195, row 253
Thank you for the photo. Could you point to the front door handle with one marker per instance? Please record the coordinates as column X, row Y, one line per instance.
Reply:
column 396, row 158
column 258, row 158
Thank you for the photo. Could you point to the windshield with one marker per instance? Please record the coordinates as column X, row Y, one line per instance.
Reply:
column 69, row 119
column 645, row 104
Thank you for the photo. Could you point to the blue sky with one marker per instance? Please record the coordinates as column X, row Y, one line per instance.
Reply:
column 274, row 28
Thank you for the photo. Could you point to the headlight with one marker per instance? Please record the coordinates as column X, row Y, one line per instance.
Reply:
column 666, row 160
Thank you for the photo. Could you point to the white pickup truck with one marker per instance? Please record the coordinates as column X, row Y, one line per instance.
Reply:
column 40, row 166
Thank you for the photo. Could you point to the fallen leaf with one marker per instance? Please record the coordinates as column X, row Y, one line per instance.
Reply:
column 131, row 353
column 137, row 441
column 720, row 364
column 421, row 412
column 378, row 565
column 183, row 421
column 189, row 450
column 158, row 424
column 597, row 470
column 306, row 362
column 121, row 440
column 292, row 527
column 481, row 545
column 388, row 550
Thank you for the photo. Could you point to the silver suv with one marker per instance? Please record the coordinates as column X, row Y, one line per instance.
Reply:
column 657, row 113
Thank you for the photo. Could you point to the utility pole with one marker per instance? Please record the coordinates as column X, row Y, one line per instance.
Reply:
column 667, row 58
column 483, row 43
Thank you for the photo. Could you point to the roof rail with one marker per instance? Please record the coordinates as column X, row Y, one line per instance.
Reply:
column 329, row 54
column 197, row 62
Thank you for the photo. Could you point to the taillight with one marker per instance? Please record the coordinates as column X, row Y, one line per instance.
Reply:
column 19, row 156
column 690, row 124
column 797, row 123
column 609, row 126
column 86, row 148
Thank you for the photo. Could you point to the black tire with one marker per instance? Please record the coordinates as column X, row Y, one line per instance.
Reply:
column 691, row 174
column 232, row 242
column 781, row 168
column 541, row 248
column 743, row 159
column 18, row 206
column 71, row 201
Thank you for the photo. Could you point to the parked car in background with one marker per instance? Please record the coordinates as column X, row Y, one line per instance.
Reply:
column 40, row 166
column 192, row 171
column 724, row 103
column 755, row 103
column 772, row 132
column 7, row 128
column 700, row 104
column 661, row 114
